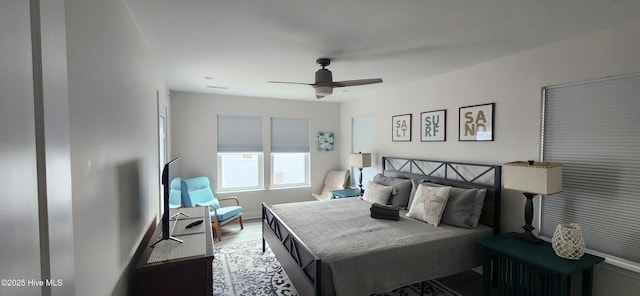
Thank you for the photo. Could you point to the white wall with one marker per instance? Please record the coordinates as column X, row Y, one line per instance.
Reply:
column 113, row 81
column 34, row 150
column 19, row 245
column 514, row 83
column 194, row 139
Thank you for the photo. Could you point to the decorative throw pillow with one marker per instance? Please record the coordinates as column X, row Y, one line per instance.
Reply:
column 414, row 188
column 377, row 193
column 429, row 203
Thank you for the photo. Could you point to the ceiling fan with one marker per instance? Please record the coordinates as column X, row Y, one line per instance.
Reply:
column 324, row 80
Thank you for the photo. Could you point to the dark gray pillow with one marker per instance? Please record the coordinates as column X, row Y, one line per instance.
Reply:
column 476, row 211
column 458, row 210
column 403, row 187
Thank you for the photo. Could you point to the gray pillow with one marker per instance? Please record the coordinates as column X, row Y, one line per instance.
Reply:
column 478, row 203
column 401, row 185
column 459, row 207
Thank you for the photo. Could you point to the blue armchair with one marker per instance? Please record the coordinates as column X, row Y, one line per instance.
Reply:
column 175, row 199
column 197, row 193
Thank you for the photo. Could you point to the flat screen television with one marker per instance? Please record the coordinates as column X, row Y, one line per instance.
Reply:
column 170, row 175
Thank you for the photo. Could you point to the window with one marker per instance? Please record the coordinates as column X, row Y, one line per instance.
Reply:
column 592, row 129
column 289, row 169
column 240, row 156
column 240, row 171
column 289, row 153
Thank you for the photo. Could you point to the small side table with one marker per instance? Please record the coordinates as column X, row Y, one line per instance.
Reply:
column 344, row 193
column 523, row 268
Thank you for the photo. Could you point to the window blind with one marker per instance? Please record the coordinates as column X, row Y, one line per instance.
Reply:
column 239, row 134
column 289, row 135
column 593, row 129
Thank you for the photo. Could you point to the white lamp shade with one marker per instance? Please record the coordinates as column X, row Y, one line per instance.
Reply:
column 360, row 160
column 538, row 178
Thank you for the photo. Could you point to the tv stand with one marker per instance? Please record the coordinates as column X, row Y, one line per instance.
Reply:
column 170, row 238
column 173, row 268
column 175, row 217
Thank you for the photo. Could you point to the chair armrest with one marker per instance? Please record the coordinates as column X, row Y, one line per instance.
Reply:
column 211, row 207
column 231, row 198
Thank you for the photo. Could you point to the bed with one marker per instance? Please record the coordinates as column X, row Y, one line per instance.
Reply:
column 334, row 247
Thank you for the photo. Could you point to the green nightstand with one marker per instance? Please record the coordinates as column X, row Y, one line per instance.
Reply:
column 344, row 193
column 523, row 268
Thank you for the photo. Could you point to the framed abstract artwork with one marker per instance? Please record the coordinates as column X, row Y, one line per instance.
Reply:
column 401, row 128
column 433, row 126
column 476, row 123
column 325, row 141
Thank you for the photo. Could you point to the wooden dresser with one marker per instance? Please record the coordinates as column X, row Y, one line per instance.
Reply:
column 173, row 268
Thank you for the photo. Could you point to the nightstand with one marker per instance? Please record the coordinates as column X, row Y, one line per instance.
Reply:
column 344, row 193
column 523, row 268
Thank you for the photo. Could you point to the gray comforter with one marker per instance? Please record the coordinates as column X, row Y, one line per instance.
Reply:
column 361, row 255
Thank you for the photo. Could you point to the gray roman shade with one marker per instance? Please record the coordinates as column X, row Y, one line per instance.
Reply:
column 239, row 134
column 593, row 129
column 289, row 135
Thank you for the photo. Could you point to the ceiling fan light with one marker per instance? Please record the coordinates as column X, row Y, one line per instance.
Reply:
column 324, row 90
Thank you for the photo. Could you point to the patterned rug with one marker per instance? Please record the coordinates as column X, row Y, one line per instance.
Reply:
column 242, row 269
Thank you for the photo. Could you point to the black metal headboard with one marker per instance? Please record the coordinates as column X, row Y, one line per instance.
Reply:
column 461, row 174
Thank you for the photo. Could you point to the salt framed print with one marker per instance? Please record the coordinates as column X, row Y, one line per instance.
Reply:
column 401, row 128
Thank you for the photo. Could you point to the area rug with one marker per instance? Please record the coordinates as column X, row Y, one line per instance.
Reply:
column 242, row 269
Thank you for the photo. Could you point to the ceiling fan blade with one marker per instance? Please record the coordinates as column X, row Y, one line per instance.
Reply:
column 355, row 82
column 286, row 82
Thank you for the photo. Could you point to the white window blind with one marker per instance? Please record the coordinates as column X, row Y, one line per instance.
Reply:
column 593, row 129
column 289, row 152
column 239, row 134
column 240, row 158
column 289, row 135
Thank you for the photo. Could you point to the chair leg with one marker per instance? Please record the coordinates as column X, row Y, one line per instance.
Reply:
column 241, row 225
column 216, row 226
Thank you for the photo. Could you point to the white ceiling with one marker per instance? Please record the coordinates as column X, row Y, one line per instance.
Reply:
column 241, row 44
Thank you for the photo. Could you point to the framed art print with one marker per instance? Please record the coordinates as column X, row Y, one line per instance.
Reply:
column 476, row 123
column 325, row 141
column 401, row 127
column 433, row 126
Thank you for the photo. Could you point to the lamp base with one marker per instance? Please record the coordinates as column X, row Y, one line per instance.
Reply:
column 528, row 237
column 360, row 184
column 528, row 218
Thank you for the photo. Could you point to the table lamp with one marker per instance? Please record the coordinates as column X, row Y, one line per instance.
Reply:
column 360, row 161
column 532, row 178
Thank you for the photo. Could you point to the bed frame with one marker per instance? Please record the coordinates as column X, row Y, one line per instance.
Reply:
column 304, row 268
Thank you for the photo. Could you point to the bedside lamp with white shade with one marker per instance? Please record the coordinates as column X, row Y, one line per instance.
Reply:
column 532, row 179
column 360, row 161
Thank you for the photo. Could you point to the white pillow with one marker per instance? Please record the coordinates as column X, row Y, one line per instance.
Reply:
column 377, row 193
column 429, row 203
